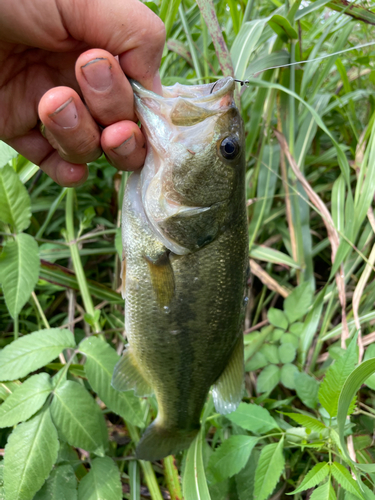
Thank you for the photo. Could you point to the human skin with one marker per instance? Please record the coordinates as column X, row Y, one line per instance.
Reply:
column 56, row 55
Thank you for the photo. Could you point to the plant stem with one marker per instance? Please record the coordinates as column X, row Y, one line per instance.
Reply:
column 76, row 259
column 51, row 211
column 148, row 471
column 40, row 310
column 171, row 477
column 15, row 327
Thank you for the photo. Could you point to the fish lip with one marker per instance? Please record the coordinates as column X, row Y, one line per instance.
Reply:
column 213, row 95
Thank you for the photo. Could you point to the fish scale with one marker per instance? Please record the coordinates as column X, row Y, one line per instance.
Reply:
column 186, row 263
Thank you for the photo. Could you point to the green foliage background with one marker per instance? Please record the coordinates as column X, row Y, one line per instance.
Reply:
column 303, row 429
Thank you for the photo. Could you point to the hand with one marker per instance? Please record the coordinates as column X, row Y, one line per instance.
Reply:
column 48, row 65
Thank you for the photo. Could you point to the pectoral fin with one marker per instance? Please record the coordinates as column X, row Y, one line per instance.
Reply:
column 228, row 389
column 127, row 376
column 162, row 279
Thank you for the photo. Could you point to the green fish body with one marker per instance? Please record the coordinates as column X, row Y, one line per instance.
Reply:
column 185, row 261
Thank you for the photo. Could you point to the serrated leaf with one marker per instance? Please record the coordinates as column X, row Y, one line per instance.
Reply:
column 344, row 478
column 313, row 477
column 255, row 362
column 287, row 375
column 102, row 482
column 253, row 418
column 99, row 366
column 277, row 318
column 307, row 421
column 78, row 418
column 268, row 378
column 298, row 302
column 19, row 271
column 26, row 400
column 61, row 485
column 307, row 389
column 231, row 456
column 245, row 479
column 324, row 492
column 270, row 466
column 30, row 454
column 31, row 352
column 14, row 200
column 349, row 390
column 335, row 377
column 287, row 352
column 194, row 484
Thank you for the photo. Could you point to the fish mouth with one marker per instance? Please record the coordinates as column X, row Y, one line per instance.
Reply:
column 198, row 94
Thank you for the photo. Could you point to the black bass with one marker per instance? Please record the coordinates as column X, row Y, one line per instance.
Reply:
column 185, row 243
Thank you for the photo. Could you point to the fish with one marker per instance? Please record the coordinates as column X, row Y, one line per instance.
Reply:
column 185, row 266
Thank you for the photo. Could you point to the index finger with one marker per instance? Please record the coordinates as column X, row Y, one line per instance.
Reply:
column 127, row 28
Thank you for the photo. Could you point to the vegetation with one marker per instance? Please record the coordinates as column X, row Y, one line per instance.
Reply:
column 303, row 429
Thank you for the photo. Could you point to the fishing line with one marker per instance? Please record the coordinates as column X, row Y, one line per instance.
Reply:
column 368, row 44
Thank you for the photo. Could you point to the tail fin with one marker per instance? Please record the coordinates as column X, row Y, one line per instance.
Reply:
column 158, row 442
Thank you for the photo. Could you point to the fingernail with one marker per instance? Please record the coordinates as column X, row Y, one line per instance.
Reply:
column 66, row 115
column 98, row 73
column 156, row 84
column 127, row 147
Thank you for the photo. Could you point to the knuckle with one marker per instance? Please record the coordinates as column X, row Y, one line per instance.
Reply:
column 85, row 150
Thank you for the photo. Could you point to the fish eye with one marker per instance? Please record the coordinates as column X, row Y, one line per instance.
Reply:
column 229, row 148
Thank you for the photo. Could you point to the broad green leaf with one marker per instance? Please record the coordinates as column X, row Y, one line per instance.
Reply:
column 7, row 388
column 231, row 456
column 6, row 153
column 78, row 418
column 102, row 482
column 61, row 485
column 255, row 362
column 289, row 338
column 270, row 466
column 370, row 353
column 268, row 254
column 349, row 390
column 256, row 341
column 268, row 378
column 287, row 375
column 245, row 479
column 277, row 318
column 313, row 477
column 306, row 421
column 307, row 389
column 101, row 360
column 344, row 478
column 282, row 27
column 270, row 351
column 31, row 352
column 244, row 45
column 335, row 377
column 19, row 271
column 298, row 302
column 253, row 418
column 30, row 454
column 324, row 492
column 135, row 480
column 287, row 353
column 26, row 400
column 194, row 485
column 14, row 200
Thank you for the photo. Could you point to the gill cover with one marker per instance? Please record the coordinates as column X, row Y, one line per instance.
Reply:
column 189, row 173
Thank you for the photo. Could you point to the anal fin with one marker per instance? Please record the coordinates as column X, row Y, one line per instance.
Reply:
column 126, row 376
column 228, row 389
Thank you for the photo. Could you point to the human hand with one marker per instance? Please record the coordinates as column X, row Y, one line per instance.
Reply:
column 54, row 54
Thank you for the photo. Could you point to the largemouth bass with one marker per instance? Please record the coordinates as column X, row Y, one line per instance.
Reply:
column 185, row 243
